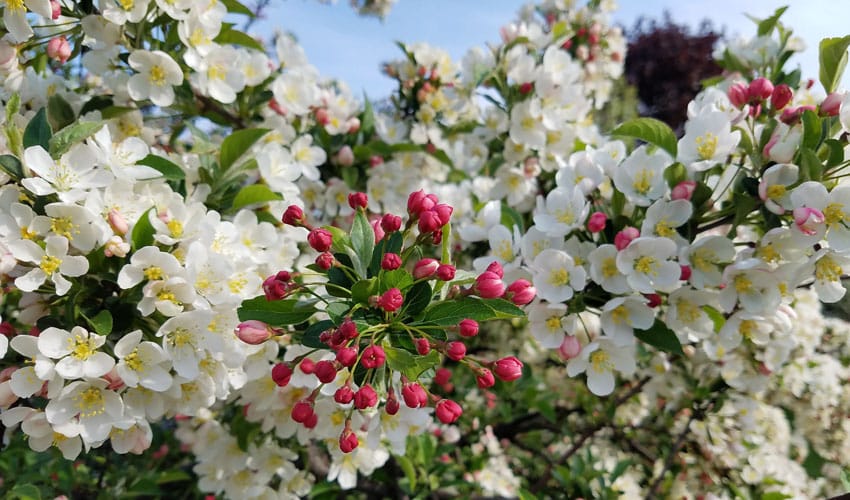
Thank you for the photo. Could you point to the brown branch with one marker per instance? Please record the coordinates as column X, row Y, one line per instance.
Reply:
column 207, row 104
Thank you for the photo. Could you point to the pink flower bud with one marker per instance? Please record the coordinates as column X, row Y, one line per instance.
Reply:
column 390, row 261
column 468, row 328
column 570, row 347
column 653, row 299
column 448, row 411
column 281, row 373
column 508, row 368
column 307, row 366
column 425, row 268
column 520, row 292
column 761, row 88
column 322, row 116
column 375, row 160
column 391, row 300
column 373, row 357
column 414, row 395
column 392, row 406
column 344, row 395
column 446, row 272
column 365, row 397
column 353, row 125
column 808, row 220
column 624, row 237
column 253, row 332
column 301, row 411
column 345, row 156
column 442, row 376
column 377, row 229
column 495, row 267
column 348, row 441
column 832, row 104
column 278, row 286
column 346, row 356
column 526, row 87
column 685, row 273
column 320, row 239
column 117, row 222
column 59, row 49
column 358, row 200
column 781, row 96
column 419, row 202
column 294, row 216
column 737, row 94
column 423, row 347
column 489, row 285
column 311, row 421
column 325, row 261
column 485, row 379
column 456, row 350
column 429, row 221
column 325, row 371
column 55, row 9
column 596, row 222
column 683, row 190
column 390, row 223
column 444, row 213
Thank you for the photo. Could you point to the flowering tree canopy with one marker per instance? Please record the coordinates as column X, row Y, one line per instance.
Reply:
column 225, row 275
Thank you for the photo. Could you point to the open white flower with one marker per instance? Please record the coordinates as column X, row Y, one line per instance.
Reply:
column 603, row 270
column 830, row 267
column 156, row 74
column 142, row 363
column 85, row 408
column 15, row 16
column 706, row 257
column 70, row 177
column 599, row 359
column 556, row 276
column 773, row 188
column 641, row 176
column 151, row 264
column 563, row 210
column 646, row 266
column 547, row 323
column 53, row 263
column 663, row 217
column 621, row 315
column 708, row 140
column 77, row 352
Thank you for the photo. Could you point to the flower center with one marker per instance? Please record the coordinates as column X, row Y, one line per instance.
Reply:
column 601, row 361
column 50, row 264
column 834, row 213
column 63, row 226
column 609, row 267
column 553, row 323
column 175, row 227
column 776, row 191
column 645, row 265
column 664, row 228
column 827, row 270
column 157, row 75
column 643, row 181
column 81, row 347
column 706, row 145
column 90, row 402
column 559, row 277
column 133, row 361
column 153, row 273
column 743, row 284
column 181, row 337
column 619, row 315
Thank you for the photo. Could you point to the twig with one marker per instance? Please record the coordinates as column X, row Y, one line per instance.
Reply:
column 668, row 462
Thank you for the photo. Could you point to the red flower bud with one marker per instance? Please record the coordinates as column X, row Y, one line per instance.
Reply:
column 390, row 223
column 448, row 411
column 419, row 202
column 345, row 156
column 489, row 285
column 358, row 200
column 311, row 421
column 423, row 347
column 253, row 332
column 390, row 261
column 508, row 369
column 425, row 268
column 832, row 104
column 468, row 328
column 325, row 371
column 58, row 48
column 377, row 229
column 654, row 299
column 429, row 222
column 444, row 213
column 278, row 286
column 365, row 397
column 456, row 350
column 738, row 94
column 348, row 441
column 624, row 237
column 596, row 222
column 325, row 261
column 683, row 190
column 281, row 373
column 320, row 239
column 373, row 357
column 348, row 329
column 761, row 88
column 392, row 405
column 485, row 379
column 446, row 272
column 520, row 292
column 685, row 273
column 294, row 216
column 526, row 87
column 495, row 267
column 442, row 376
column 414, row 395
column 302, row 411
column 346, row 356
column 781, row 96
column 391, row 300
column 307, row 366
column 344, row 395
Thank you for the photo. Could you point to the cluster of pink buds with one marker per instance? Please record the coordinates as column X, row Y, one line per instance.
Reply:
column 429, row 214
column 758, row 94
column 490, row 285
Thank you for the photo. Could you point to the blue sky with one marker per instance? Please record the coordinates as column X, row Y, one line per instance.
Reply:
column 351, row 48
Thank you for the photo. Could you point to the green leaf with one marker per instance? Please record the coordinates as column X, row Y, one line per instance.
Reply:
column 102, row 322
column 767, row 25
column 237, row 143
column 253, row 195
column 774, row 495
column 836, row 152
column 275, row 312
column 390, row 244
column 170, row 170
column 833, row 59
column 526, row 495
column 38, row 131
column 337, row 311
column 60, row 114
column 812, row 129
column 559, row 29
column 12, row 166
column 237, row 37
column 235, row 7
column 649, row 130
column 367, row 118
column 362, row 242
column 452, row 312
column 397, row 278
column 24, row 492
column 811, row 167
column 341, row 241
column 173, row 476
column 13, row 106
column 845, row 480
column 362, row 290
column 70, row 135
column 716, row 317
column 310, row 338
column 408, row 469
column 661, row 337
column 143, row 231
column 418, row 298
column 409, row 365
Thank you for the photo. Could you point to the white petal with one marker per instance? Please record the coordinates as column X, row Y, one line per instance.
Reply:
column 73, row 265
column 98, row 365
column 600, row 383
column 70, row 368
column 31, row 281
column 54, row 343
column 127, row 343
